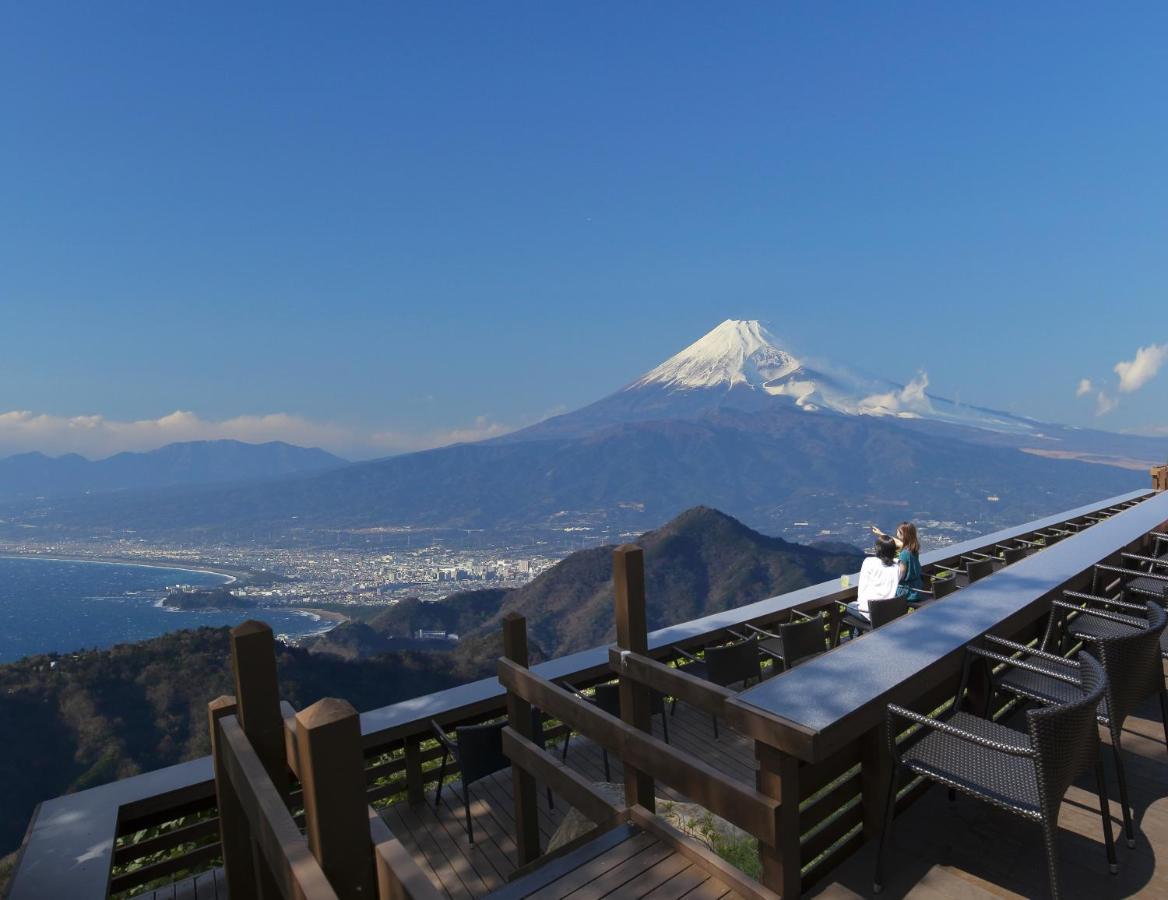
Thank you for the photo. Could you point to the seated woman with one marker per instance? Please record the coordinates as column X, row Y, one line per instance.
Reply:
column 912, row 580
column 879, row 577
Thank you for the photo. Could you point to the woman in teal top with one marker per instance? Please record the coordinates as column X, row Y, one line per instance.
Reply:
column 912, row 582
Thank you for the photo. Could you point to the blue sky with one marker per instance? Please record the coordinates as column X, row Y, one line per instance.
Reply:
column 382, row 226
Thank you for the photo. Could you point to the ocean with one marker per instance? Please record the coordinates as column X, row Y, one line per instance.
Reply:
column 62, row 605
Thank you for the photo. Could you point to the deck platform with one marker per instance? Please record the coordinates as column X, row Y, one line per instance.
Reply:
column 437, row 838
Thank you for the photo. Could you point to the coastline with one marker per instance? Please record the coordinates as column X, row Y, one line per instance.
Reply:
column 154, row 563
column 328, row 615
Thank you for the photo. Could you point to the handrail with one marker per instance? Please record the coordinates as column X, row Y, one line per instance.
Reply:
column 743, row 806
column 565, row 781
column 697, row 692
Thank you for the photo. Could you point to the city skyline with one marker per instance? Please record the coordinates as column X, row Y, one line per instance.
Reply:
column 382, row 233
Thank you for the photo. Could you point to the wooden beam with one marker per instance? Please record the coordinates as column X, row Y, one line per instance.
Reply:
column 234, row 832
column 568, row 783
column 519, row 719
column 336, row 816
column 705, row 785
column 295, row 870
column 645, row 670
column 701, row 855
column 632, row 633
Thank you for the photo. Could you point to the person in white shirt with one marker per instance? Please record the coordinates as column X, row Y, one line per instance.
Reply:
column 879, row 576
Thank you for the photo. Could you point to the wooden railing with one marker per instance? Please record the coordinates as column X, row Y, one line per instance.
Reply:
column 345, row 850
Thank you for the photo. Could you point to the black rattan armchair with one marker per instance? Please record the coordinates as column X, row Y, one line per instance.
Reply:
column 478, row 752
column 791, row 642
column 880, row 612
column 1023, row 772
column 1131, row 662
column 724, row 665
column 607, row 698
column 1126, row 618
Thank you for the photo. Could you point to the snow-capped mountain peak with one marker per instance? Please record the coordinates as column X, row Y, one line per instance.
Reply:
column 743, row 357
column 736, row 352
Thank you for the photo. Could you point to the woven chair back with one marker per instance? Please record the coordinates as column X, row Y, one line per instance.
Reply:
column 1013, row 554
column 1066, row 737
column 942, row 587
column 732, row 663
column 881, row 612
column 1133, row 666
column 802, row 640
column 979, row 569
column 480, row 750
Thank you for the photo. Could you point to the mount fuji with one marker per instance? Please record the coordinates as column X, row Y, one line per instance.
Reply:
column 740, row 364
column 791, row 446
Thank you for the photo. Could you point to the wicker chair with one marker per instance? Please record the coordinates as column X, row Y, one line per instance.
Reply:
column 792, row 642
column 478, row 751
column 724, row 665
column 977, row 569
column 1130, row 660
column 1023, row 772
column 880, row 612
column 607, row 698
column 1011, row 555
column 943, row 587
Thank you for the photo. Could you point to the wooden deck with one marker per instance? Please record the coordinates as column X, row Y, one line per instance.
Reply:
column 437, row 838
column 969, row 849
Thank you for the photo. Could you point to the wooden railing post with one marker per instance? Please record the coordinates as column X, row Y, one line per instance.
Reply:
column 415, row 782
column 336, row 814
column 257, row 693
column 632, row 633
column 519, row 718
column 257, row 697
column 234, row 833
column 1160, row 478
column 778, row 778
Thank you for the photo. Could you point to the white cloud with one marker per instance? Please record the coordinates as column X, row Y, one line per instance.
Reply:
column 1085, row 387
column 1134, row 374
column 909, row 401
column 1104, row 403
column 96, row 436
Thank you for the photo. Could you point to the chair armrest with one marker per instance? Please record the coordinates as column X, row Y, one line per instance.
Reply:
column 684, row 655
column 803, row 615
column 1097, row 613
column 1151, row 560
column 1107, row 601
column 1027, row 666
column 1015, row 647
column 762, row 631
column 450, row 746
column 1134, row 573
column 944, row 727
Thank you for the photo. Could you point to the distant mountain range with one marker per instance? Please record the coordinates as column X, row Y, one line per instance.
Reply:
column 189, row 463
column 702, row 562
column 734, row 421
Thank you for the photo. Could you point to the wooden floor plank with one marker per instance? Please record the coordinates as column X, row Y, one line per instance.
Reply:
column 574, row 881
column 680, row 884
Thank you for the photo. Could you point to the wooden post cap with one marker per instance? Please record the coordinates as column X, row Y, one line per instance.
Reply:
column 324, row 713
